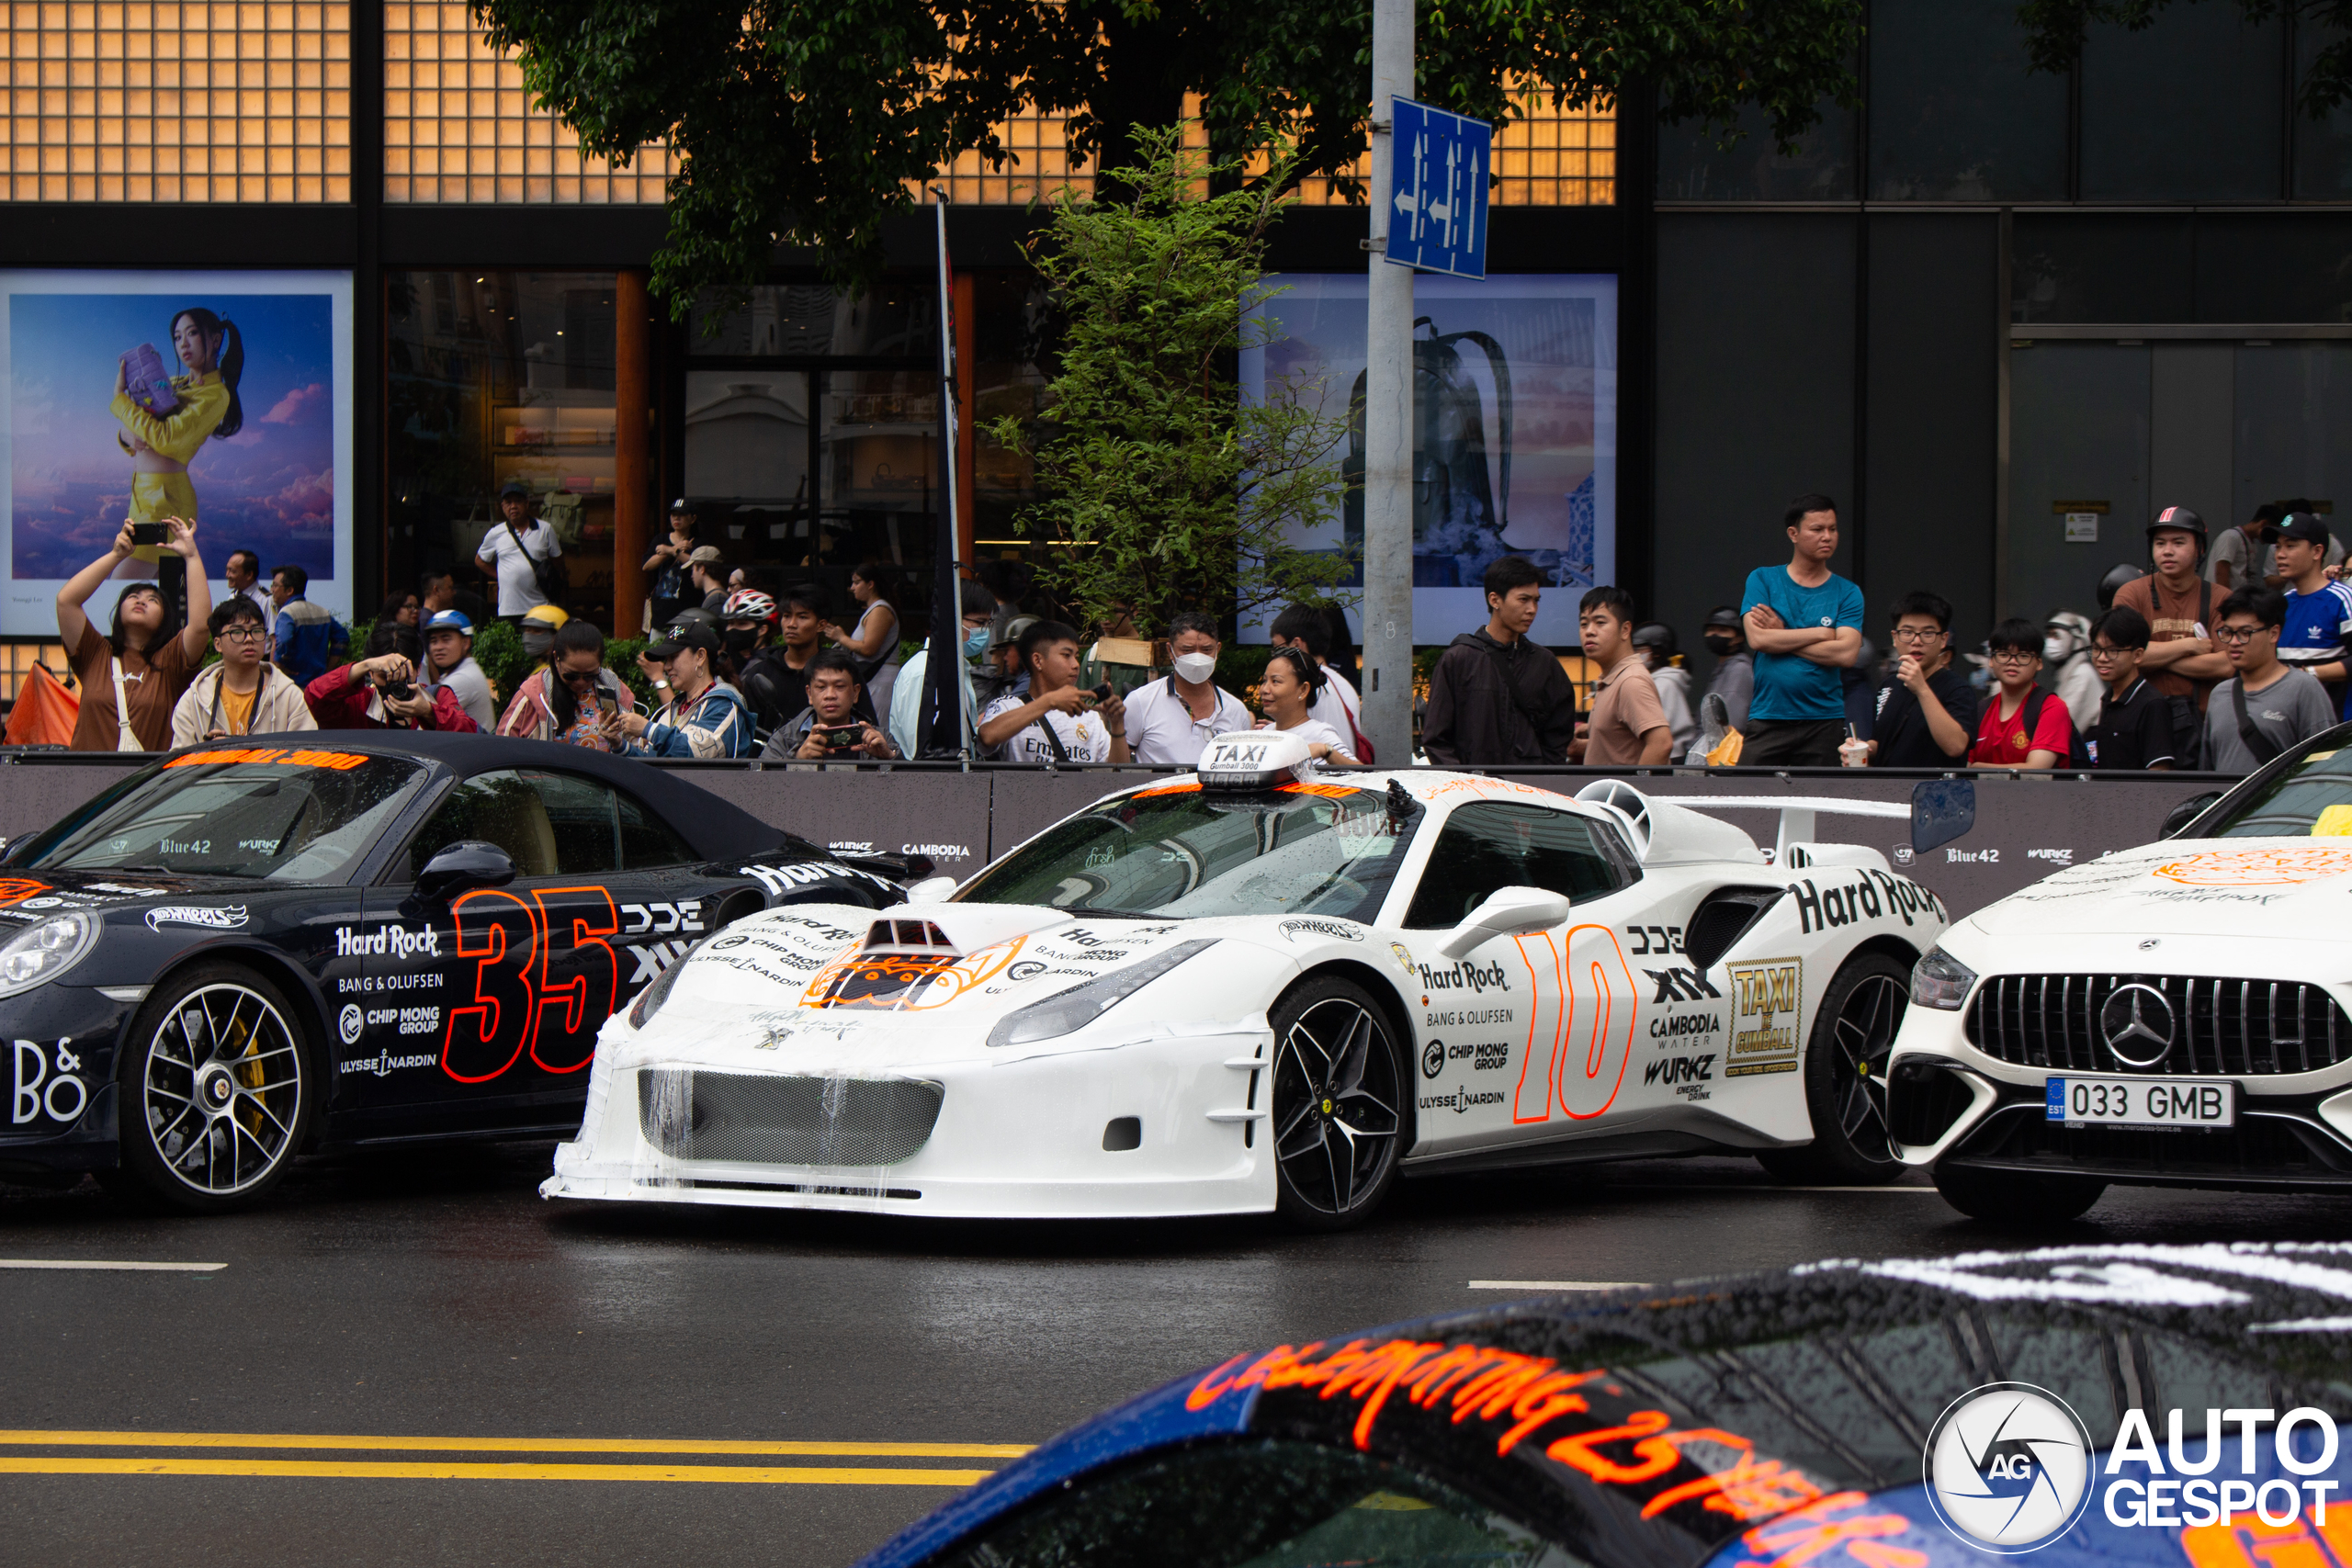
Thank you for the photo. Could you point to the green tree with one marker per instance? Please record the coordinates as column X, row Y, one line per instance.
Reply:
column 809, row 120
column 1165, row 489
column 2056, row 30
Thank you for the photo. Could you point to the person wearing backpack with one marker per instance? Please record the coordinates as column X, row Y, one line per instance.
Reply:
column 2023, row 726
column 2266, row 706
column 522, row 555
column 1497, row 695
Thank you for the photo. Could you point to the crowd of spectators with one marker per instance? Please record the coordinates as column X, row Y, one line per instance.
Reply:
column 2220, row 656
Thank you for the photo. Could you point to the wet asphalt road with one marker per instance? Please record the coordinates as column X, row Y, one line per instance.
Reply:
column 437, row 1297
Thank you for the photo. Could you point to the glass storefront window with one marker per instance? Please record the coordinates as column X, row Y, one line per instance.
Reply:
column 1693, row 167
column 495, row 376
column 1955, row 114
column 2190, row 109
column 2323, row 146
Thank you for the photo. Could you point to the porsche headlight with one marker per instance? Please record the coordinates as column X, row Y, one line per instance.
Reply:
column 1073, row 1010
column 1939, row 980
column 40, row 953
column 648, row 1000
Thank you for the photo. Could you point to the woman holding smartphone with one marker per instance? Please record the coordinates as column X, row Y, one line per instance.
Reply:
column 161, row 441
column 571, row 699
column 133, row 676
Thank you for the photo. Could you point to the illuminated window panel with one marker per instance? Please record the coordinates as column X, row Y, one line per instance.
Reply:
column 458, row 126
column 240, row 102
column 1547, row 158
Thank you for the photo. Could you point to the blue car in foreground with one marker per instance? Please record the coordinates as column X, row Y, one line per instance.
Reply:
column 2144, row 1404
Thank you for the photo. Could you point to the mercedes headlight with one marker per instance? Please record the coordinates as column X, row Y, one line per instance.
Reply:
column 1073, row 1010
column 648, row 1000
column 40, row 953
column 1939, row 980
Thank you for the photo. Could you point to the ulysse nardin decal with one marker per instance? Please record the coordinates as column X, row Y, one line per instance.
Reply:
column 218, row 920
column 1765, row 1009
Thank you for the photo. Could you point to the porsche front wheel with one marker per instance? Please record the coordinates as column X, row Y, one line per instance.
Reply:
column 1337, row 1105
column 217, row 1090
column 1845, row 1078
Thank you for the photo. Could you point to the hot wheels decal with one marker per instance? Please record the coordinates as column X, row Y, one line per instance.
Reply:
column 211, row 919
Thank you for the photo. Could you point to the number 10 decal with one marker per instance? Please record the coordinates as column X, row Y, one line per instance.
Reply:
column 515, row 987
column 1588, row 1057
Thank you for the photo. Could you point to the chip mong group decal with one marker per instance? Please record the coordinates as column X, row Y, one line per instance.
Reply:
column 1767, row 1006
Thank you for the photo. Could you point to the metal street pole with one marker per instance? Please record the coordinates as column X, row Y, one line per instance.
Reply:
column 1388, row 419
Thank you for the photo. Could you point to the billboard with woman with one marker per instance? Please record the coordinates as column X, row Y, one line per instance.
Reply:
column 223, row 398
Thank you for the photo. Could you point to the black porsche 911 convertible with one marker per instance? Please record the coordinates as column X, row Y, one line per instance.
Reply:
column 250, row 951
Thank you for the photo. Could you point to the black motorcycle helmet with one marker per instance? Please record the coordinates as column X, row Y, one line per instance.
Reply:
column 1657, row 635
column 2113, row 581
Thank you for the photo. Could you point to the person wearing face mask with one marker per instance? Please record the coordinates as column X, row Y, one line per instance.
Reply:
column 1656, row 643
column 979, row 607
column 2067, row 658
column 1171, row 722
column 1735, row 676
column 538, row 629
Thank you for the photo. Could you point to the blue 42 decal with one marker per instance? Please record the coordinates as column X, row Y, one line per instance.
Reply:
column 514, row 986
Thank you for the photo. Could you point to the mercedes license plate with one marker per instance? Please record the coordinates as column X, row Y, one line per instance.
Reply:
column 2142, row 1103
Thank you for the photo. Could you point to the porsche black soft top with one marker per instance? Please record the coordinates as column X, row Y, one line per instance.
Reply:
column 715, row 829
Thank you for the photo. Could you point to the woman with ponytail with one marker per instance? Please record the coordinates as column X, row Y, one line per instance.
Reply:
column 161, row 443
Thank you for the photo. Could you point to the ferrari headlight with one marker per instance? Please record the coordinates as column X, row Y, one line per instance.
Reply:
column 1073, row 1010
column 1939, row 980
column 40, row 953
column 648, row 1000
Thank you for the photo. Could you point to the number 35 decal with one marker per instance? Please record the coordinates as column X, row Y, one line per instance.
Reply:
column 516, row 988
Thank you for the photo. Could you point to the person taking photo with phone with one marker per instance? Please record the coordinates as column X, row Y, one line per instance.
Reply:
column 133, row 676
column 1060, row 722
column 243, row 693
column 702, row 715
column 571, row 699
column 829, row 726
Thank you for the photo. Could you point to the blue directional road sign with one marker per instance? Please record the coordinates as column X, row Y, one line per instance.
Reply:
column 1437, row 195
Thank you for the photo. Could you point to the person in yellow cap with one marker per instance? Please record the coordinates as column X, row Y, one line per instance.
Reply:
column 163, row 440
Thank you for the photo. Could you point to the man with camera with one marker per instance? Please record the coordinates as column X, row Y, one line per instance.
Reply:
column 828, row 728
column 382, row 694
column 1061, row 722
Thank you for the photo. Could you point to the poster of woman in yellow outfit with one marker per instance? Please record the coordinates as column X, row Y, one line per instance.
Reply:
column 212, row 354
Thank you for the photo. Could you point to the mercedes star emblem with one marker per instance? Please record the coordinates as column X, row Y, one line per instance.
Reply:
column 2136, row 1021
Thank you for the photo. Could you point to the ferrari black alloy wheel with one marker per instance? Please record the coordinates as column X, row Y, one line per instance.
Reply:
column 2019, row 1199
column 217, row 1088
column 1338, row 1104
column 1845, row 1078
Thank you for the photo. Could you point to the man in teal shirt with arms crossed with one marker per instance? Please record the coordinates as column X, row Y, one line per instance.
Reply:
column 1805, row 624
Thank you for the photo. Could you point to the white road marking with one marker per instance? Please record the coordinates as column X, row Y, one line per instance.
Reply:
column 1557, row 1284
column 94, row 1263
column 1759, row 1187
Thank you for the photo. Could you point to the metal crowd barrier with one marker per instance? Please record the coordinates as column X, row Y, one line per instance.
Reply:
column 962, row 816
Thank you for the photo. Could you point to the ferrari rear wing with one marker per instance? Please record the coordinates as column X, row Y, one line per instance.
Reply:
column 1940, row 811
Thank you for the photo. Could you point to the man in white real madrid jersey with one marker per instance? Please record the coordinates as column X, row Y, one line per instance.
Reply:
column 1060, row 722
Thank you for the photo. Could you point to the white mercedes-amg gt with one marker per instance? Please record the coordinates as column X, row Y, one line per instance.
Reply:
column 2171, row 1015
column 1261, row 987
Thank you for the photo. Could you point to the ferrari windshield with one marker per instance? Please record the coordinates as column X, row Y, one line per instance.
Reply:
column 270, row 816
column 1178, row 849
column 2312, row 797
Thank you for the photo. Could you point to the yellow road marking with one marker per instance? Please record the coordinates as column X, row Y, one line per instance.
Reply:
column 808, row 1475
column 511, row 1445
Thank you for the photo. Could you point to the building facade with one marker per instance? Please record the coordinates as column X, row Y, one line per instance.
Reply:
column 2000, row 316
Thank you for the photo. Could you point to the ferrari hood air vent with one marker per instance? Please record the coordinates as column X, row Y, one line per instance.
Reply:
column 1252, row 759
column 911, row 937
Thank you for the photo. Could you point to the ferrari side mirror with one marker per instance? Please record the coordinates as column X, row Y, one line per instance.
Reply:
column 464, row 865
column 1508, row 912
column 2187, row 811
column 1941, row 810
column 931, row 889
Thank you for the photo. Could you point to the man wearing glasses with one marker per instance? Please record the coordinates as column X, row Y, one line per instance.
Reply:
column 241, row 694
column 2265, row 707
column 1927, row 713
column 2133, row 731
column 2023, row 726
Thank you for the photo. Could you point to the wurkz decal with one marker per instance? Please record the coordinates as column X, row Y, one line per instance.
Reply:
column 214, row 918
column 1767, row 1005
column 1687, row 1075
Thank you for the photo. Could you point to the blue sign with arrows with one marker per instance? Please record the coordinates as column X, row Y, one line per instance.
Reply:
column 1437, row 195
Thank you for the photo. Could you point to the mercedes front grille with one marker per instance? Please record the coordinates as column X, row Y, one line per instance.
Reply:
column 2245, row 1028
